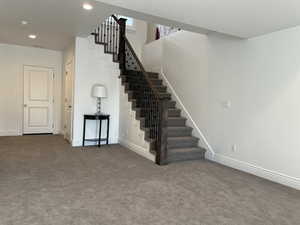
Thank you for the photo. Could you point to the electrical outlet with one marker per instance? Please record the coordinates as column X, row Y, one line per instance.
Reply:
column 234, row 148
column 226, row 104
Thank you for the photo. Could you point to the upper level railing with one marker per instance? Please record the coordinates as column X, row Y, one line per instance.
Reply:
column 154, row 108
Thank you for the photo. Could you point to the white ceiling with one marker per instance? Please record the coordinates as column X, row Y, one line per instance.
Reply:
column 56, row 22
column 241, row 18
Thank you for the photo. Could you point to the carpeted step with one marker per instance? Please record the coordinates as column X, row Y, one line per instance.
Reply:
column 171, row 104
column 139, row 114
column 132, row 96
column 172, row 121
column 179, row 131
column 174, row 112
column 184, row 154
column 153, row 81
column 176, row 121
column 182, row 142
column 160, row 88
column 137, row 79
column 138, row 73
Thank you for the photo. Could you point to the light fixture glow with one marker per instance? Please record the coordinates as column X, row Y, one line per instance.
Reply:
column 32, row 36
column 87, row 6
column 24, row 22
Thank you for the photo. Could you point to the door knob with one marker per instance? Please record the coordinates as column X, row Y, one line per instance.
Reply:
column 70, row 107
column 25, row 105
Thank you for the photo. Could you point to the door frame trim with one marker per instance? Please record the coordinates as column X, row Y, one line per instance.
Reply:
column 53, row 97
column 68, row 62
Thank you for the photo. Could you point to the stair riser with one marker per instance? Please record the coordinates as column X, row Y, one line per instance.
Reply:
column 174, row 113
column 186, row 157
column 176, row 123
column 134, row 74
column 179, row 133
column 171, row 133
column 142, row 113
column 132, row 87
column 129, row 87
column 144, row 83
column 139, row 80
column 170, row 104
column 182, row 144
column 170, row 113
column 161, row 88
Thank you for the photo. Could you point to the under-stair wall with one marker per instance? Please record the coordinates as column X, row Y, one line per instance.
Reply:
column 130, row 134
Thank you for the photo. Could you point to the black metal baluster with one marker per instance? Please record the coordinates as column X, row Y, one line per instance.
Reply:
column 110, row 35
column 101, row 33
column 113, row 37
column 107, row 35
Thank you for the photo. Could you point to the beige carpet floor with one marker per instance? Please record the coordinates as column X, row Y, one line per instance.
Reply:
column 44, row 181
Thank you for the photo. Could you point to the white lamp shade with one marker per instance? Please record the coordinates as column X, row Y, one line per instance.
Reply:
column 99, row 91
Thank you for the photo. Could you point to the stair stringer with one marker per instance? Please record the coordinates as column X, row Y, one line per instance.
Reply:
column 130, row 133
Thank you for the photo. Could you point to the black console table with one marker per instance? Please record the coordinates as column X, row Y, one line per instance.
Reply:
column 96, row 118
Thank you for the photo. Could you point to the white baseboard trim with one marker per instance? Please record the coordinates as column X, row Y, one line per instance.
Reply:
column 137, row 149
column 178, row 100
column 257, row 170
column 10, row 133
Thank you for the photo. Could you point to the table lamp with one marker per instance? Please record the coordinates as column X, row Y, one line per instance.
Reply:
column 99, row 91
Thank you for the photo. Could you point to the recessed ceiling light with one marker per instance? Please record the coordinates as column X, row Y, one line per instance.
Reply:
column 24, row 22
column 32, row 36
column 87, row 6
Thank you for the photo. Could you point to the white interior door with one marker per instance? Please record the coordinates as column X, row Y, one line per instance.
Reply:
column 68, row 101
column 38, row 100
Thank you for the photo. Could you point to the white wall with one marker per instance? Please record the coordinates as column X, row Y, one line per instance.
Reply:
column 94, row 67
column 12, row 60
column 137, row 36
column 251, row 94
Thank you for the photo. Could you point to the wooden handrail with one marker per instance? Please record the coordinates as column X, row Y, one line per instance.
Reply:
column 156, row 93
column 116, row 19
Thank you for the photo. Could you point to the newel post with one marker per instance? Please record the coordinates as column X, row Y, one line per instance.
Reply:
column 122, row 54
column 162, row 142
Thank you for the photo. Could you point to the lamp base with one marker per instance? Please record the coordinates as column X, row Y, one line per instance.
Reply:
column 98, row 107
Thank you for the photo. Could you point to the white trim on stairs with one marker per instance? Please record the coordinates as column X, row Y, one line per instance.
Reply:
column 137, row 149
column 178, row 100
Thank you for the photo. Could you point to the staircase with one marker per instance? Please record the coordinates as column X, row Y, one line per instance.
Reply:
column 170, row 138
